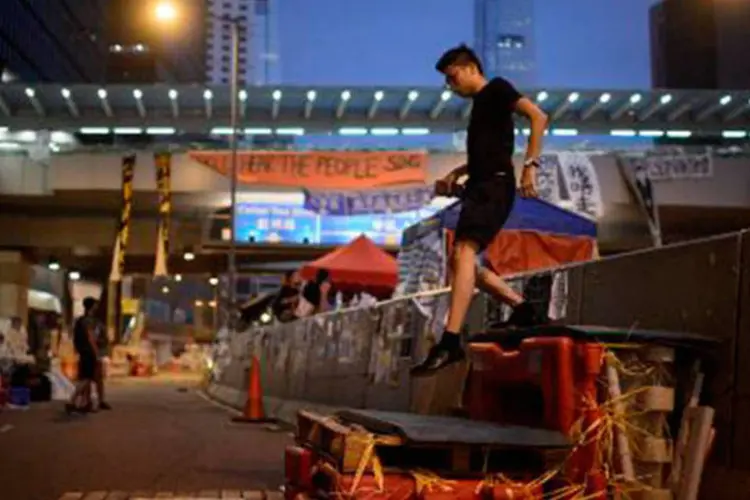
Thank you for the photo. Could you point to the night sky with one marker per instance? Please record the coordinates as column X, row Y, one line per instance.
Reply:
column 580, row 43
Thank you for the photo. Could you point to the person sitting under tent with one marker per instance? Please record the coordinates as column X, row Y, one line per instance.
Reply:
column 315, row 297
column 287, row 298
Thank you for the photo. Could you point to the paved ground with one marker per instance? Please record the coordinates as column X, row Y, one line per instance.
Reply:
column 160, row 438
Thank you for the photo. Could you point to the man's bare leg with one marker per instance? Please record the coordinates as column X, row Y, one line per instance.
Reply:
column 78, row 399
column 463, row 283
column 99, row 382
column 524, row 314
column 466, row 276
column 448, row 350
column 489, row 282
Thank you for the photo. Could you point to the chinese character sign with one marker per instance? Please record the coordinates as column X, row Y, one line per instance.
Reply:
column 665, row 167
column 547, row 179
column 367, row 202
column 581, row 182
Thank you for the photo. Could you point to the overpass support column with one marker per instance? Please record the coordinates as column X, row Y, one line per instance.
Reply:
column 15, row 278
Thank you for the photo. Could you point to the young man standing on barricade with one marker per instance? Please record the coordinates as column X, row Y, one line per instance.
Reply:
column 488, row 196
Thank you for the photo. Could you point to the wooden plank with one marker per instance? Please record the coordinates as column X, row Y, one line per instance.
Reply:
column 684, row 432
column 440, row 393
column 700, row 434
column 253, row 495
column 657, row 399
column 342, row 444
column 117, row 495
column 650, row 474
column 623, row 446
column 233, row 494
column 654, row 450
column 73, row 495
column 659, row 354
column 95, row 495
column 655, row 494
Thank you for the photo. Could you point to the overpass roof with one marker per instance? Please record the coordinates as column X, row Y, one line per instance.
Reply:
column 160, row 109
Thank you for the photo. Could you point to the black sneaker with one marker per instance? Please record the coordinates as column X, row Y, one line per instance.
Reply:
column 104, row 406
column 439, row 357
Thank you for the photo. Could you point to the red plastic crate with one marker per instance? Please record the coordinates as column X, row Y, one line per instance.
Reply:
column 298, row 464
column 533, row 385
column 547, row 382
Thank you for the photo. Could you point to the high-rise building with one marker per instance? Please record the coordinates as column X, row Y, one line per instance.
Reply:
column 505, row 39
column 258, row 54
column 143, row 48
column 700, row 44
column 51, row 40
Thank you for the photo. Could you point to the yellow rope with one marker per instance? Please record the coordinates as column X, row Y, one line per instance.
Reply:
column 368, row 460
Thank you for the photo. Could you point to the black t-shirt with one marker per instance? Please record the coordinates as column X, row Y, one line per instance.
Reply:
column 491, row 138
column 311, row 293
column 81, row 336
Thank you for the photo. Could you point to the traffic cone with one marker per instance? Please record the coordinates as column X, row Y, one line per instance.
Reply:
column 254, row 410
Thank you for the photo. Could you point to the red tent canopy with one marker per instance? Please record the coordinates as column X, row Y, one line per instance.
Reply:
column 360, row 265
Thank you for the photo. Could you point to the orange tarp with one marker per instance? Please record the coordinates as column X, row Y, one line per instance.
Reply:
column 515, row 251
column 320, row 169
column 360, row 265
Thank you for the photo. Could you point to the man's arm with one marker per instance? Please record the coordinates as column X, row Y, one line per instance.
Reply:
column 539, row 120
column 447, row 185
column 459, row 171
column 325, row 289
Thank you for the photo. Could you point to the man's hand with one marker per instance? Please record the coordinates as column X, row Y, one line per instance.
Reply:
column 539, row 122
column 447, row 185
column 528, row 182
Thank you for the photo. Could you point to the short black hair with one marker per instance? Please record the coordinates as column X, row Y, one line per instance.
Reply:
column 89, row 303
column 321, row 276
column 288, row 275
column 461, row 55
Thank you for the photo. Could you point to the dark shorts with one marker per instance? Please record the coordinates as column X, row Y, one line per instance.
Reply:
column 485, row 207
column 86, row 367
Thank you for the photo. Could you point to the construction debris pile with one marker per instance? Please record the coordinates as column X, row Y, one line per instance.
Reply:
column 597, row 420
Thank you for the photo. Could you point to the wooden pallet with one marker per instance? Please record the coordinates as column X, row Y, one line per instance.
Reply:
column 349, row 447
column 343, row 445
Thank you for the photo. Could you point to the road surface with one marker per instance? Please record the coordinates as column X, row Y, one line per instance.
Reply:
column 161, row 438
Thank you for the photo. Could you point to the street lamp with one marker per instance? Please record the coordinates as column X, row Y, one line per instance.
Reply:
column 167, row 12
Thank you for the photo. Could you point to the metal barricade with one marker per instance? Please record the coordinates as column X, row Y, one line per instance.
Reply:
column 360, row 357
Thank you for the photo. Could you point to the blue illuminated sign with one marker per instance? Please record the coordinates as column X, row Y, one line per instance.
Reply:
column 289, row 224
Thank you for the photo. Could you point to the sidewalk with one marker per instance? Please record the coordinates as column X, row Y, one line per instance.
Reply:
column 161, row 438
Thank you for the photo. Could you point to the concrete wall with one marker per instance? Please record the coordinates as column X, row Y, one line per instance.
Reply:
column 91, row 233
column 15, row 278
column 728, row 187
column 21, row 176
